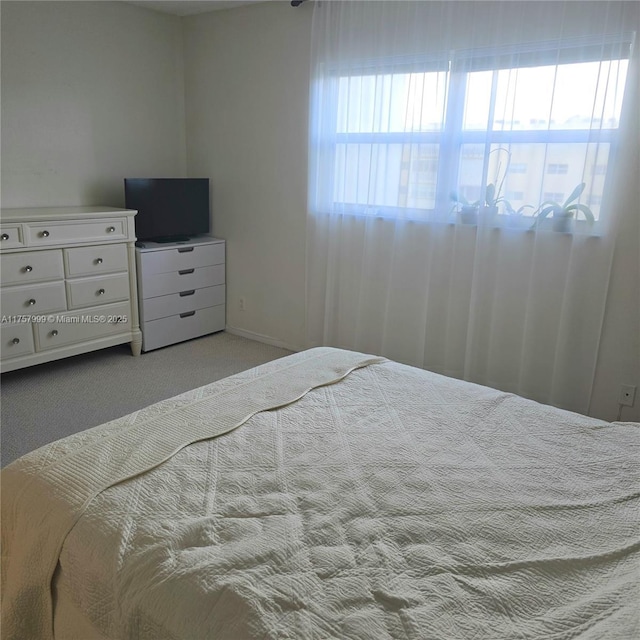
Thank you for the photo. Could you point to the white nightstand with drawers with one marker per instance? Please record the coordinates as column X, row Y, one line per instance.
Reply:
column 181, row 290
column 68, row 283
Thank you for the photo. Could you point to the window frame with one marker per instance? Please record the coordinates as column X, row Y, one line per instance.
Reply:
column 452, row 136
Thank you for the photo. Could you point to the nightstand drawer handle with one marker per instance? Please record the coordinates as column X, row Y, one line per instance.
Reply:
column 45, row 234
column 15, row 341
column 187, row 314
column 28, row 268
column 184, row 272
column 100, row 292
column 5, row 236
column 187, row 293
column 185, row 249
column 54, row 333
column 110, row 229
column 98, row 260
column 31, row 302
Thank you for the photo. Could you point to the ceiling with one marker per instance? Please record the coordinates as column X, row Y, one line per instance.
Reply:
column 191, row 7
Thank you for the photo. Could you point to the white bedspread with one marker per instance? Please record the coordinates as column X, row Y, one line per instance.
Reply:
column 394, row 504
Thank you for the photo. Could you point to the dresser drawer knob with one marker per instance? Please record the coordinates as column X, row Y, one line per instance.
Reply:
column 98, row 260
column 54, row 333
column 31, row 302
column 28, row 268
column 5, row 236
column 110, row 229
column 100, row 292
column 15, row 341
column 45, row 234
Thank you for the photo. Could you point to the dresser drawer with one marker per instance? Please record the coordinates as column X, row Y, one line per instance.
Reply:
column 33, row 299
column 88, row 261
column 11, row 236
column 177, row 303
column 89, row 292
column 178, row 258
column 31, row 266
column 75, row 231
column 159, row 333
column 16, row 340
column 160, row 284
column 80, row 326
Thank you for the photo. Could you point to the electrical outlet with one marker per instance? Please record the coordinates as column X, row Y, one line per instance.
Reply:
column 242, row 304
column 627, row 395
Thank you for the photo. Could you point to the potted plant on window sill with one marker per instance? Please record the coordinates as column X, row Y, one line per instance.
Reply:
column 469, row 212
column 487, row 206
column 562, row 214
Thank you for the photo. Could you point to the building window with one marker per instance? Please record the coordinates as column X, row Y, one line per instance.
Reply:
column 558, row 168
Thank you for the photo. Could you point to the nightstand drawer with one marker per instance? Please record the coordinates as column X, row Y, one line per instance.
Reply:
column 80, row 326
column 159, row 333
column 11, row 236
column 87, row 261
column 88, row 292
column 177, row 303
column 47, row 233
column 186, row 257
column 33, row 299
column 162, row 284
column 31, row 266
column 16, row 340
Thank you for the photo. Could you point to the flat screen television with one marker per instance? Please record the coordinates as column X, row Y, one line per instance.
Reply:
column 169, row 209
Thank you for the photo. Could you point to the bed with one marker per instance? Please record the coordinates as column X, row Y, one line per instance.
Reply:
column 328, row 495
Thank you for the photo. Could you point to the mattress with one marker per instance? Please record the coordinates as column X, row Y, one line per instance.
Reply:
column 328, row 494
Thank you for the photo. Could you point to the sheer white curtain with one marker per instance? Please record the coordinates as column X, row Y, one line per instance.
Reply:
column 447, row 140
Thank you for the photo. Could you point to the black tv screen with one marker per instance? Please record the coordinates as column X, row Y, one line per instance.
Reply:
column 169, row 209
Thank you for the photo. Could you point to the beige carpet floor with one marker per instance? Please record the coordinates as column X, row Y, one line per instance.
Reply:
column 47, row 402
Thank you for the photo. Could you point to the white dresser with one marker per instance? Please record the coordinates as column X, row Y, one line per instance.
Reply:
column 181, row 289
column 68, row 283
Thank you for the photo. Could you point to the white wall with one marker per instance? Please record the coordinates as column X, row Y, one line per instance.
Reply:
column 247, row 86
column 91, row 92
column 247, row 79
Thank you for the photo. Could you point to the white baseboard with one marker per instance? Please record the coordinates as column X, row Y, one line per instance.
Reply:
column 258, row 337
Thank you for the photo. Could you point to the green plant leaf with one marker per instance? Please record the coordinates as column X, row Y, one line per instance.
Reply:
column 543, row 205
column 575, row 194
column 544, row 213
column 458, row 198
column 588, row 214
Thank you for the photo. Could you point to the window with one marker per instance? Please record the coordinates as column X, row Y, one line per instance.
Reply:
column 532, row 124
